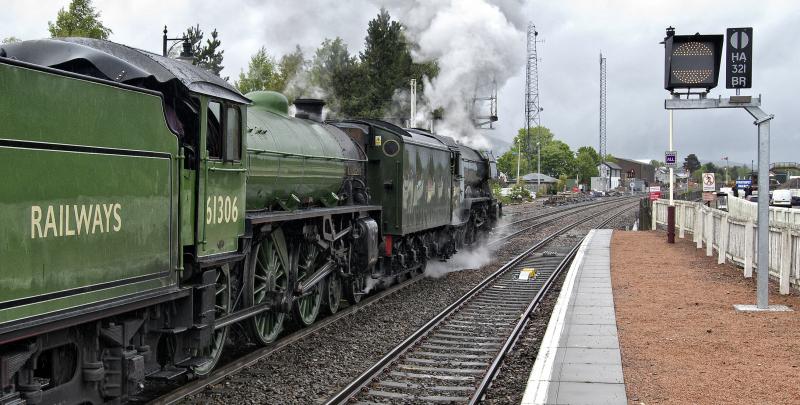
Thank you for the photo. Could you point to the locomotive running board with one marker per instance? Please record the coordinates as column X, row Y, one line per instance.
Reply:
column 263, row 217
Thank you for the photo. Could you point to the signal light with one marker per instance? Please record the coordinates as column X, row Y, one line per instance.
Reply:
column 691, row 61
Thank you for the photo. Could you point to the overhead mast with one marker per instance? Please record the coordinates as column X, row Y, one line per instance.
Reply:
column 532, row 108
column 602, row 149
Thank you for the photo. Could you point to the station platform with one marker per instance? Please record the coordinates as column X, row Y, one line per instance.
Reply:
column 579, row 358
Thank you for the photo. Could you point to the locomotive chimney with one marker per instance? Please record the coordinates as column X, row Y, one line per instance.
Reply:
column 310, row 108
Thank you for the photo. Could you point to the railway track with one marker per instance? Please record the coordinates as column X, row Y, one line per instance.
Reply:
column 560, row 213
column 253, row 357
column 455, row 356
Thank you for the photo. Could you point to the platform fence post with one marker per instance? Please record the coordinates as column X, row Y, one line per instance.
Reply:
column 749, row 248
column 722, row 247
column 681, row 230
column 698, row 227
column 786, row 260
column 709, row 233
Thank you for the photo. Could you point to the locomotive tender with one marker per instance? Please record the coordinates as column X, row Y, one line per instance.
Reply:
column 150, row 211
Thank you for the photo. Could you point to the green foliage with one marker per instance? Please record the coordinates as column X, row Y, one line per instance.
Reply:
column 586, row 161
column 264, row 73
column 656, row 163
column 557, row 159
column 334, row 71
column 561, row 184
column 79, row 20
column 291, row 67
column 519, row 194
column 507, row 163
column 352, row 86
column 691, row 163
column 261, row 74
column 206, row 55
column 10, row 40
column 385, row 67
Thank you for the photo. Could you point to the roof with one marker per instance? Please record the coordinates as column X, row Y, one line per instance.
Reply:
column 612, row 165
column 120, row 63
column 533, row 177
column 632, row 161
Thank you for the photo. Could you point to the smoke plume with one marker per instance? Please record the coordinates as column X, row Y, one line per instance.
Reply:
column 475, row 42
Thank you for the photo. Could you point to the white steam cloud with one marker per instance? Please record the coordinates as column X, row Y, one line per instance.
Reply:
column 476, row 42
column 463, row 260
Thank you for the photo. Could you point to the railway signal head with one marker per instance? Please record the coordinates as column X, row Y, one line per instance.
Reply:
column 691, row 61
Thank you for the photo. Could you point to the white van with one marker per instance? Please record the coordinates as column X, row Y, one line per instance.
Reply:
column 782, row 198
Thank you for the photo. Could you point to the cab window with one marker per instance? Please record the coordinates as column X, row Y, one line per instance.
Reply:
column 233, row 135
column 224, row 135
column 214, row 133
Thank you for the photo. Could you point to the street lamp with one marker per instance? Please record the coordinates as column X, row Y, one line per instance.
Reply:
column 539, row 167
column 186, row 53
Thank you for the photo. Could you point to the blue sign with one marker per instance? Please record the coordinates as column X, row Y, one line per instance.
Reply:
column 744, row 183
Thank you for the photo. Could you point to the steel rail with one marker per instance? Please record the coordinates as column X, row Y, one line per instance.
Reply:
column 382, row 364
column 251, row 358
column 247, row 360
column 593, row 203
column 494, row 368
column 564, row 213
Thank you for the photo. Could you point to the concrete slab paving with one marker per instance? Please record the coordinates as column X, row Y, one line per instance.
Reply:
column 579, row 360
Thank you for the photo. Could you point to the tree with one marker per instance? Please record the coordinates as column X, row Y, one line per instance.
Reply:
column 209, row 55
column 557, row 159
column 386, row 66
column 507, row 163
column 529, row 140
column 586, row 161
column 292, row 72
column 261, row 73
column 334, row 72
column 656, row 163
column 10, row 40
column 691, row 163
column 79, row 20
column 710, row 167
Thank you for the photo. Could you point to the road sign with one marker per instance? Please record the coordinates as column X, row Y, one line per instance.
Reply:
column 655, row 193
column 671, row 159
column 744, row 183
column 739, row 58
column 709, row 183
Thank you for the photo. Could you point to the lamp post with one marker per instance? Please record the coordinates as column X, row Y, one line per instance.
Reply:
column 539, row 167
column 186, row 52
column 519, row 156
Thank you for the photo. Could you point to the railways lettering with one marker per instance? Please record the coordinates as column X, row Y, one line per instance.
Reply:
column 74, row 220
column 237, row 217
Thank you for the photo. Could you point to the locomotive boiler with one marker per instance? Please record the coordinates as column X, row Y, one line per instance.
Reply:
column 151, row 213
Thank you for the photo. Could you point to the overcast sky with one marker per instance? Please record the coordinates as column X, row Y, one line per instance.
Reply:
column 574, row 33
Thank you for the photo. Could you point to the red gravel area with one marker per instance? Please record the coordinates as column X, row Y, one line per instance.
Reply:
column 681, row 340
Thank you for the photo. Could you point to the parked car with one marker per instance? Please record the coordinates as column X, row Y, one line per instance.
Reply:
column 782, row 198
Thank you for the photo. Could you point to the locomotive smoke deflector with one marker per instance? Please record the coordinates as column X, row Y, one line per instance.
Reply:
column 309, row 108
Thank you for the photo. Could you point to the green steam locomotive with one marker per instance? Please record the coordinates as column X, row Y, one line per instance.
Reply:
column 150, row 212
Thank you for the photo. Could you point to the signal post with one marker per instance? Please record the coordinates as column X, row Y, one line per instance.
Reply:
column 692, row 64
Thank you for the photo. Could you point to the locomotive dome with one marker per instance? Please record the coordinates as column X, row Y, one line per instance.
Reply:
column 122, row 64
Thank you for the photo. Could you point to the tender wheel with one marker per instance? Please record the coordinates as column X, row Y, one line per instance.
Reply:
column 306, row 308
column 353, row 288
column 333, row 293
column 269, row 273
column 222, row 306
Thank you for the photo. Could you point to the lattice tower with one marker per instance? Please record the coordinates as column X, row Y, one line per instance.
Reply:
column 602, row 150
column 532, row 108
